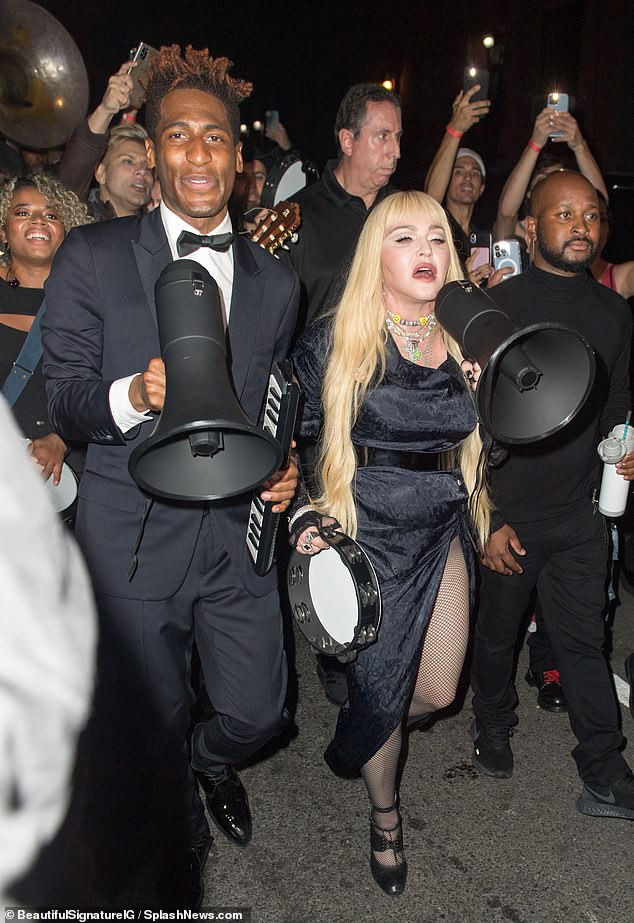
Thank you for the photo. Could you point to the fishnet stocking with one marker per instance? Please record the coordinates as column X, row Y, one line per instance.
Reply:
column 445, row 643
column 442, row 657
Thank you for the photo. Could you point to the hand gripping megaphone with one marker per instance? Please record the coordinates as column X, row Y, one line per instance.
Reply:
column 203, row 447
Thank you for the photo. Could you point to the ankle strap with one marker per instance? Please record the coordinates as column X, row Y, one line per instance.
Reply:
column 392, row 807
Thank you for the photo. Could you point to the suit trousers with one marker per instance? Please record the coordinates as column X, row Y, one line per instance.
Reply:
column 567, row 560
column 144, row 700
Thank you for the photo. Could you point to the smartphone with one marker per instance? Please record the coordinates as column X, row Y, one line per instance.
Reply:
column 271, row 116
column 480, row 249
column 141, row 55
column 473, row 75
column 507, row 253
column 558, row 102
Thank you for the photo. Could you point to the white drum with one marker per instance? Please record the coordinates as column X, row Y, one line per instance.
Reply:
column 335, row 596
column 64, row 494
column 286, row 178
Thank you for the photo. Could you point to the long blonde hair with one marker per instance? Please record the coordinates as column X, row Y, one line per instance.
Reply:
column 357, row 362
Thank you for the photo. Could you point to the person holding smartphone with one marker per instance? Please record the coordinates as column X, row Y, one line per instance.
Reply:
column 538, row 159
column 116, row 159
column 456, row 179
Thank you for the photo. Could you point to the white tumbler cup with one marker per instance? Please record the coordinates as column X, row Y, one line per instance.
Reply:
column 614, row 487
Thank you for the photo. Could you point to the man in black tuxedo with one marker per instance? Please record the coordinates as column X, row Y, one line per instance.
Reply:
column 191, row 579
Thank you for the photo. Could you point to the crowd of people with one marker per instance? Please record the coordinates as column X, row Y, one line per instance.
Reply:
column 389, row 450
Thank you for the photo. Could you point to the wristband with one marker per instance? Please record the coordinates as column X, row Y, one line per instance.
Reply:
column 453, row 132
column 535, row 147
column 300, row 512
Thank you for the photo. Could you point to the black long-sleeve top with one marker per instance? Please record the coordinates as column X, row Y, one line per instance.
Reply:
column 331, row 222
column 556, row 476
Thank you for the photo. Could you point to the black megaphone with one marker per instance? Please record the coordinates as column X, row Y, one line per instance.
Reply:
column 203, row 447
column 534, row 379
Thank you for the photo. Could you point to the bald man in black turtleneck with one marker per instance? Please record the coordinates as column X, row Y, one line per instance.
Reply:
column 547, row 532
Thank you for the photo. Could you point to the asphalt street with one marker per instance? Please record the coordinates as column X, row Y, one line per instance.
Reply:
column 480, row 850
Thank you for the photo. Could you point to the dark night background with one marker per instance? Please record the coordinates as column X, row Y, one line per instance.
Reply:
column 302, row 56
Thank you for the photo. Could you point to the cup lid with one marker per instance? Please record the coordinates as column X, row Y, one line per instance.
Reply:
column 611, row 450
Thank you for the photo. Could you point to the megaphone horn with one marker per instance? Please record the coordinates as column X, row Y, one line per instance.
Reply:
column 534, row 379
column 203, row 447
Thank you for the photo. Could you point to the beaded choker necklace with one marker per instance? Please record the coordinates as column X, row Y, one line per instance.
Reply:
column 419, row 330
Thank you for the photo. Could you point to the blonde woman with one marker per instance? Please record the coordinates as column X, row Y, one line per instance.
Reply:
column 399, row 454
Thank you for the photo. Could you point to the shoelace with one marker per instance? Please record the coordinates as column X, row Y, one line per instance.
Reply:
column 551, row 676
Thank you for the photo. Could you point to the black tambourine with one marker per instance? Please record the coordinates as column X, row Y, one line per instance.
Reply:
column 335, row 596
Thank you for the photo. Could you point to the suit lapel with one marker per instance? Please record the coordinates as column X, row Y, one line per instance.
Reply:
column 246, row 314
column 152, row 254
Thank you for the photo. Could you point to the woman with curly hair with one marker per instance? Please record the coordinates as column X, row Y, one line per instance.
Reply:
column 399, row 458
column 36, row 212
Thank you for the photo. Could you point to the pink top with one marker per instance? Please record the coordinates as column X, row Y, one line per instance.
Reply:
column 607, row 278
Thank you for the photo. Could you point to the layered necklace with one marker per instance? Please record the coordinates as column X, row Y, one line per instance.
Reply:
column 414, row 334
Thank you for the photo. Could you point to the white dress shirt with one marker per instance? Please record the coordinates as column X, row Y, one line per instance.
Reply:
column 220, row 267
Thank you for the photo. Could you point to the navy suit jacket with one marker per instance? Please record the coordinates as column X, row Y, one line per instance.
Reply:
column 100, row 325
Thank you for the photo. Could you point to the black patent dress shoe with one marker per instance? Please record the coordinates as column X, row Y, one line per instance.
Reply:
column 228, row 805
column 180, row 885
column 551, row 695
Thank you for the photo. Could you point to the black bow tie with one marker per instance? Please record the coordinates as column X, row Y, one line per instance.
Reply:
column 188, row 242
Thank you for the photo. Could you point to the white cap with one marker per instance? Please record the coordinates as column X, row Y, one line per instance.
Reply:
column 467, row 152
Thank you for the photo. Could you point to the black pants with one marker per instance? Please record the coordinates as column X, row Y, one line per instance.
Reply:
column 567, row 560
column 540, row 650
column 144, row 697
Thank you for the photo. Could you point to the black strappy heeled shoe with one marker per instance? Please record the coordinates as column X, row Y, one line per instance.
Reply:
column 390, row 878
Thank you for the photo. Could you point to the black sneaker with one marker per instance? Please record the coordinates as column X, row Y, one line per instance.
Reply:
column 332, row 676
column 492, row 752
column 617, row 801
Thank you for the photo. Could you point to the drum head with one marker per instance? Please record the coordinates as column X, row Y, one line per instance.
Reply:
column 334, row 596
column 286, row 178
column 292, row 180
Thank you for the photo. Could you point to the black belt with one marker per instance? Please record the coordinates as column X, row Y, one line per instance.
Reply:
column 368, row 456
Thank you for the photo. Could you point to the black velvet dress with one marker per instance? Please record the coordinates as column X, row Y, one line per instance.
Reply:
column 406, row 522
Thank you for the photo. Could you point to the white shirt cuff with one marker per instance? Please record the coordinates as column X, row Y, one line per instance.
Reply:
column 123, row 413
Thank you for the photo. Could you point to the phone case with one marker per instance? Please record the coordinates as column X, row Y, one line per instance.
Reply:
column 140, row 74
column 480, row 76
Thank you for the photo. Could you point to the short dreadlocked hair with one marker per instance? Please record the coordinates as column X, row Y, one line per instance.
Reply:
column 195, row 71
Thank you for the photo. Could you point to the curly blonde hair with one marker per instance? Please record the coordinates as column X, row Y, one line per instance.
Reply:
column 72, row 212
column 357, row 363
